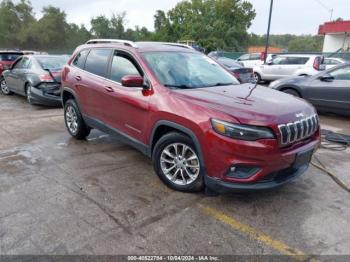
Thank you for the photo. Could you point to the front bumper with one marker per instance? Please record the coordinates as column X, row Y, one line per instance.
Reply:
column 274, row 180
column 46, row 97
column 257, row 165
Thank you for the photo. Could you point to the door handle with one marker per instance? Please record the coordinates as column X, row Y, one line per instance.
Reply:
column 109, row 89
column 78, row 78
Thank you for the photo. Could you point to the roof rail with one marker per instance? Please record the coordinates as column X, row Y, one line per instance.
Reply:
column 119, row 41
column 171, row 44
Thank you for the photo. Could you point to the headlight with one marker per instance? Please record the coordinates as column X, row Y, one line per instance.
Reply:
column 242, row 132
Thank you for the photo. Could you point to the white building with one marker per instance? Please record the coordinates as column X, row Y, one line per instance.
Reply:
column 337, row 36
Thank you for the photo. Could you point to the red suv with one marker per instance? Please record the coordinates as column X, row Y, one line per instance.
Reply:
column 190, row 115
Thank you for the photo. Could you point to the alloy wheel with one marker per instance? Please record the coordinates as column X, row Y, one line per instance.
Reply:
column 29, row 94
column 4, row 87
column 256, row 78
column 72, row 119
column 180, row 164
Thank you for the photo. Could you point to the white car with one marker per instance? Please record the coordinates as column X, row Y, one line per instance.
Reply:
column 250, row 60
column 288, row 65
column 330, row 62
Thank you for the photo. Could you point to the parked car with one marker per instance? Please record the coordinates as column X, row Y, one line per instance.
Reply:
column 243, row 74
column 328, row 91
column 7, row 57
column 251, row 60
column 330, row 62
column 192, row 117
column 288, row 65
column 37, row 77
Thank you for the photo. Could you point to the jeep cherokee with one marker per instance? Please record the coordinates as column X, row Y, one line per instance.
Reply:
column 190, row 115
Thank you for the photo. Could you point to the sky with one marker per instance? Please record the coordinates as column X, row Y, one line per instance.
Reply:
column 289, row 16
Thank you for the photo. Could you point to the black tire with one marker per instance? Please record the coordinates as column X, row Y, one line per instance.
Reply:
column 292, row 92
column 178, row 138
column 257, row 77
column 80, row 130
column 4, row 88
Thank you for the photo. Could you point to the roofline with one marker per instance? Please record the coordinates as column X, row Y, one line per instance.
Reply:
column 334, row 27
column 134, row 44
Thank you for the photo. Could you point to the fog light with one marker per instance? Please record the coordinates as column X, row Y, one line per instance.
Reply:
column 242, row 171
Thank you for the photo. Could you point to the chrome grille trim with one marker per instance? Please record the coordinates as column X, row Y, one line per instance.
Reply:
column 298, row 130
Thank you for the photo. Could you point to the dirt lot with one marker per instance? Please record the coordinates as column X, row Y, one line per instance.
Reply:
column 100, row 196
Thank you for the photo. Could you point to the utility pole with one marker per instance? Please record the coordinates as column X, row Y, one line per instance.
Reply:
column 331, row 14
column 268, row 32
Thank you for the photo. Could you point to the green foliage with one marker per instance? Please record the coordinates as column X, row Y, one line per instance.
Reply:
column 292, row 43
column 214, row 24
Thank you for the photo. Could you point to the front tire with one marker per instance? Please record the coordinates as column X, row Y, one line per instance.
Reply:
column 177, row 163
column 292, row 92
column 4, row 88
column 74, row 121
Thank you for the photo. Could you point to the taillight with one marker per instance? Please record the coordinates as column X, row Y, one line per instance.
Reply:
column 45, row 78
column 2, row 67
column 317, row 63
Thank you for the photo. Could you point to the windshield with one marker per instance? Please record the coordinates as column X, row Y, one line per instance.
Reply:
column 187, row 70
column 52, row 62
column 9, row 57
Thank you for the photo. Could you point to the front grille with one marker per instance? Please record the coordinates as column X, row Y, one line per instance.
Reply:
column 299, row 130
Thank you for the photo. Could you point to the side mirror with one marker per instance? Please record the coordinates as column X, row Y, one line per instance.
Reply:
column 133, row 81
column 326, row 78
column 270, row 62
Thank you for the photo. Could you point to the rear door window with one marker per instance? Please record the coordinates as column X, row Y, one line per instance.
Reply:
column 280, row 60
column 123, row 65
column 97, row 61
column 298, row 60
column 341, row 73
column 23, row 63
column 80, row 59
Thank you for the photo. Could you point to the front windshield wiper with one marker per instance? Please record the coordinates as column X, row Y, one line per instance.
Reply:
column 222, row 84
column 179, row 86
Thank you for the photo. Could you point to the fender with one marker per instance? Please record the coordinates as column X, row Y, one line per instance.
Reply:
column 72, row 92
column 181, row 128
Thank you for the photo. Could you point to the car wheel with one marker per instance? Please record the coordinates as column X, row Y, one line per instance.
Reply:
column 177, row 163
column 74, row 121
column 292, row 92
column 257, row 78
column 29, row 94
column 4, row 88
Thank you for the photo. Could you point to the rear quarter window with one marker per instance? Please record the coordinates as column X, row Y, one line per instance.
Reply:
column 79, row 60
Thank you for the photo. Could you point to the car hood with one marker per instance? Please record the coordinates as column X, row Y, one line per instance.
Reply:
column 250, row 104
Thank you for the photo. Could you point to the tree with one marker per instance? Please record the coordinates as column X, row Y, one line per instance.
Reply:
column 212, row 23
column 100, row 27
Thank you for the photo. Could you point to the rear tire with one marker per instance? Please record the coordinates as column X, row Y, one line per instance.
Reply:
column 292, row 92
column 177, row 163
column 74, row 121
column 29, row 94
column 4, row 88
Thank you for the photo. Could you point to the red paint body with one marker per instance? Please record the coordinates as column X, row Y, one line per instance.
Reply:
column 135, row 112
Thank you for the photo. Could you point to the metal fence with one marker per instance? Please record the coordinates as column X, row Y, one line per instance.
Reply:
column 343, row 55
